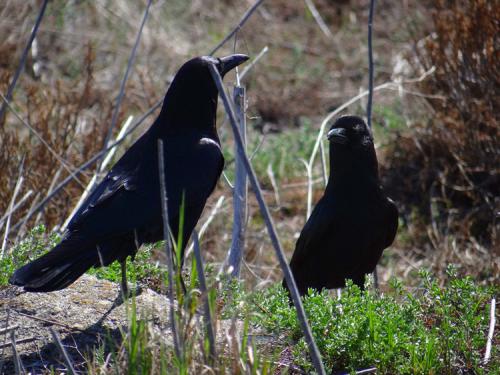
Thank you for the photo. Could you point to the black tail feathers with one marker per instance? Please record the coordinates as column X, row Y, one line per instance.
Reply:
column 57, row 269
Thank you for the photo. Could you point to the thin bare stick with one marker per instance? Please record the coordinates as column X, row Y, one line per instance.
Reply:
column 239, row 192
column 19, row 183
column 131, row 59
column 240, row 24
column 20, row 341
column 54, row 180
column 370, row 96
column 228, row 182
column 257, row 148
column 104, row 164
column 50, row 322
column 203, row 288
column 7, row 329
column 87, row 164
column 301, row 315
column 274, row 184
column 254, row 61
column 18, row 365
column 339, row 48
column 16, row 207
column 49, row 191
column 319, row 20
column 491, row 330
column 323, row 163
column 370, row 65
column 371, row 370
column 206, row 224
column 309, row 188
column 168, row 247
column 60, row 346
column 2, row 361
column 20, row 232
column 22, row 62
column 123, row 131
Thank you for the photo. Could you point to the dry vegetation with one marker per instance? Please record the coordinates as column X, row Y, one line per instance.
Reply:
column 444, row 170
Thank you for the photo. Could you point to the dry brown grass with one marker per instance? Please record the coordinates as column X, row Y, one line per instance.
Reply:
column 64, row 96
column 444, row 172
column 56, row 115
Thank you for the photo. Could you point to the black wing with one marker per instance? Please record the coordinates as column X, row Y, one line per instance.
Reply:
column 129, row 196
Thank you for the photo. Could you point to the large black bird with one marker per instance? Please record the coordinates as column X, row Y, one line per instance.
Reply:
column 353, row 222
column 124, row 210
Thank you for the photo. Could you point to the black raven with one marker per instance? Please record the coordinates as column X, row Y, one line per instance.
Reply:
column 124, row 210
column 353, row 222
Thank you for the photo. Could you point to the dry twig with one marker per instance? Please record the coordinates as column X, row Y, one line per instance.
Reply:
column 22, row 62
column 491, row 330
column 315, row 355
column 18, row 365
column 240, row 24
column 131, row 59
column 168, row 247
column 63, row 351
column 239, row 192
column 203, row 288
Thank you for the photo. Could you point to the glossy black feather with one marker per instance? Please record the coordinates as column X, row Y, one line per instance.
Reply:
column 353, row 222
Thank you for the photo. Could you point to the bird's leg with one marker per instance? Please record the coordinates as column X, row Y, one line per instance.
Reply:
column 124, row 286
column 359, row 280
column 375, row 278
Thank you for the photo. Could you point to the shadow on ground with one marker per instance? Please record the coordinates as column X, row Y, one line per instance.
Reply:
column 87, row 315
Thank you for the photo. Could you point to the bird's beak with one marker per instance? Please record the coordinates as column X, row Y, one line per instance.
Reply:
column 230, row 62
column 337, row 135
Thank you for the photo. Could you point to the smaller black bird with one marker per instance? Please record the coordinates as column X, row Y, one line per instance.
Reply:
column 124, row 210
column 353, row 222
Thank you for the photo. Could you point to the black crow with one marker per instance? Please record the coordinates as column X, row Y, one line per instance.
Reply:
column 353, row 222
column 124, row 210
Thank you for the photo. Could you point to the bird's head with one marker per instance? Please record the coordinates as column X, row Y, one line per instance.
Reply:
column 197, row 69
column 350, row 131
column 351, row 146
column 191, row 100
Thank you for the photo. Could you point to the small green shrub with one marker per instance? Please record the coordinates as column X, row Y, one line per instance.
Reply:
column 32, row 246
column 141, row 269
column 433, row 330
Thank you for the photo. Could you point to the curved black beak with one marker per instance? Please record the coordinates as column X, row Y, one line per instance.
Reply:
column 337, row 135
column 230, row 62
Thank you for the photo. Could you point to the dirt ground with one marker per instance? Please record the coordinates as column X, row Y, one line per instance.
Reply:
column 84, row 315
column 88, row 315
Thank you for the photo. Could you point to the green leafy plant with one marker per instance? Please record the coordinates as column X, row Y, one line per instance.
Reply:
column 432, row 330
column 32, row 246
